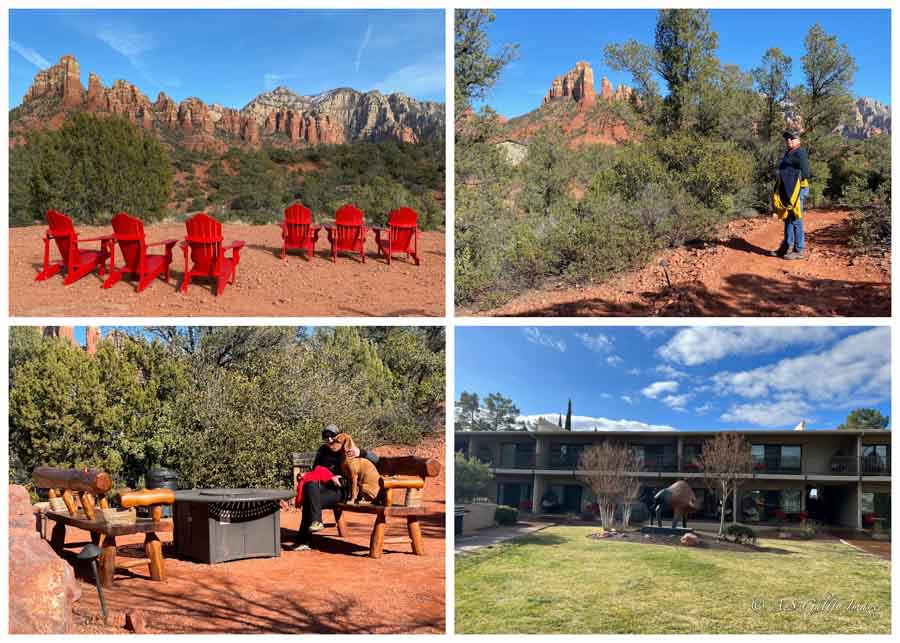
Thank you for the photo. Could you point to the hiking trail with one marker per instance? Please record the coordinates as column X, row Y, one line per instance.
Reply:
column 734, row 276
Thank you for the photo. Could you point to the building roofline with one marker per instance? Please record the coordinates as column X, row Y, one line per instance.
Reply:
column 707, row 432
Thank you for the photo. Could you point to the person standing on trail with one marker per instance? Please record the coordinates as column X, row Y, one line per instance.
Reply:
column 789, row 197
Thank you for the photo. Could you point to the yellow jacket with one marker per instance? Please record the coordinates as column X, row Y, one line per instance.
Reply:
column 784, row 209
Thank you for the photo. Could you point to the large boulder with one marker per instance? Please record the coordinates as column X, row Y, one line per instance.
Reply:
column 42, row 585
column 690, row 540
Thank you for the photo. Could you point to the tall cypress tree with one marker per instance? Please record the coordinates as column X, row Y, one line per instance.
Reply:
column 569, row 416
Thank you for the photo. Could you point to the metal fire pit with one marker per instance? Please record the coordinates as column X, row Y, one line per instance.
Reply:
column 217, row 525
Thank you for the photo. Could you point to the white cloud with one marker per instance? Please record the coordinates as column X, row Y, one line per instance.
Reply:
column 597, row 342
column 677, row 402
column 614, row 360
column 536, row 336
column 651, row 331
column 131, row 44
column 627, row 399
column 606, row 396
column 633, row 371
column 657, row 388
column 697, row 345
column 669, row 371
column 30, row 55
column 704, row 408
column 362, row 46
column 854, row 372
column 423, row 78
column 588, row 423
column 779, row 413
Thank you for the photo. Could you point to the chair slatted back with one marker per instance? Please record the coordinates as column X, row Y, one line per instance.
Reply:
column 64, row 235
column 129, row 233
column 297, row 223
column 347, row 222
column 204, row 236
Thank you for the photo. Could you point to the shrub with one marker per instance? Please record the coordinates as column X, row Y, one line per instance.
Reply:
column 741, row 534
column 470, row 477
column 90, row 168
column 506, row 515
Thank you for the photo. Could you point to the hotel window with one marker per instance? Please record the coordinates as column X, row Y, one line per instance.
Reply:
column 790, row 501
column 758, row 455
column 689, row 455
column 790, row 458
column 876, row 457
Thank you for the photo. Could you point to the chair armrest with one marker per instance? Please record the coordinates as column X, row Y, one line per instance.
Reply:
column 106, row 237
column 167, row 242
column 235, row 245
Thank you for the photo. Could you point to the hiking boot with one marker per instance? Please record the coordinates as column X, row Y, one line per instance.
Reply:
column 316, row 526
column 794, row 254
column 781, row 252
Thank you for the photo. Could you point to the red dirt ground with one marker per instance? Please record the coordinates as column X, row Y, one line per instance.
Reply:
column 265, row 285
column 333, row 588
column 735, row 277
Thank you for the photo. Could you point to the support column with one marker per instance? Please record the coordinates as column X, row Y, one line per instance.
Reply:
column 680, row 449
column 735, row 503
column 536, row 493
column 859, row 523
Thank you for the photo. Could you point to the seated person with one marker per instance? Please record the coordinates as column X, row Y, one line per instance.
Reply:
column 318, row 495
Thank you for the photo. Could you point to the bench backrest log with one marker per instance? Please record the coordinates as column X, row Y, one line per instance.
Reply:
column 89, row 483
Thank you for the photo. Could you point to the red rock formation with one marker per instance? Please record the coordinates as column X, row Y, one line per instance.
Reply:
column 62, row 80
column 332, row 117
column 43, row 585
column 606, row 90
column 577, row 84
column 250, row 131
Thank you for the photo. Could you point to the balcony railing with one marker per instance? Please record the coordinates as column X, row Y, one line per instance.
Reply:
column 836, row 466
column 876, row 465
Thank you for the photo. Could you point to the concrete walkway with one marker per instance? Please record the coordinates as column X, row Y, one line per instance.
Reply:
column 494, row 535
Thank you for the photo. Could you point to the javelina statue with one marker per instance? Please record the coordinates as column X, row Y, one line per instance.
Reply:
column 680, row 497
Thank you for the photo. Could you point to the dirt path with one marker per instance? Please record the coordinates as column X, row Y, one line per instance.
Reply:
column 735, row 277
column 333, row 588
column 265, row 285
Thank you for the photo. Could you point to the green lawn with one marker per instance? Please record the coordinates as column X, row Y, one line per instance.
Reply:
column 559, row 581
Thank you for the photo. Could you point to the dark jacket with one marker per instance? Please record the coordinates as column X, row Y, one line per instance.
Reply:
column 327, row 458
column 797, row 159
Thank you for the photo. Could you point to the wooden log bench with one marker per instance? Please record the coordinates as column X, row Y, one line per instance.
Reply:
column 65, row 483
column 402, row 482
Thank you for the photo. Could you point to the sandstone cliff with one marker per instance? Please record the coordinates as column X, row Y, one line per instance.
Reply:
column 279, row 117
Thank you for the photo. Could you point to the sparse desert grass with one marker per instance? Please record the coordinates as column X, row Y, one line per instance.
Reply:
column 559, row 581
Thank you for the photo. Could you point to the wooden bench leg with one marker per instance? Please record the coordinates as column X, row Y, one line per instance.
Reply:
column 108, row 561
column 340, row 522
column 376, row 544
column 415, row 535
column 58, row 537
column 153, row 548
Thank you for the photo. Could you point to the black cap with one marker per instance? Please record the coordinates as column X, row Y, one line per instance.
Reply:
column 790, row 134
column 329, row 431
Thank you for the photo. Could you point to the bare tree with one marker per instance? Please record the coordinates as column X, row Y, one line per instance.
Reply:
column 604, row 470
column 724, row 461
column 631, row 490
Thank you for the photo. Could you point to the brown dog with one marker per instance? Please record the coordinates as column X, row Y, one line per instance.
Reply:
column 360, row 472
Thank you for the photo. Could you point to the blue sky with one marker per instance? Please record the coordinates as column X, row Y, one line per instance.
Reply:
column 231, row 56
column 551, row 42
column 692, row 378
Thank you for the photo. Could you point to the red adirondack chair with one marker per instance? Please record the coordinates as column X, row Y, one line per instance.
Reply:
column 298, row 231
column 402, row 235
column 203, row 245
column 348, row 232
column 129, row 234
column 75, row 261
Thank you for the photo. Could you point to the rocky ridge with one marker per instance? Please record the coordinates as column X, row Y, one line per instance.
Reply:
column 280, row 117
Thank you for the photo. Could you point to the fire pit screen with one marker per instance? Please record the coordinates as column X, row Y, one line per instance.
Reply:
column 217, row 525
